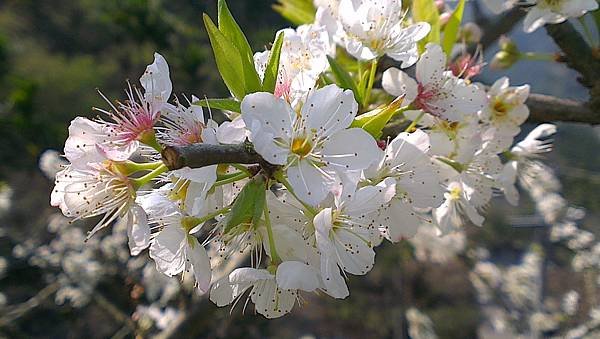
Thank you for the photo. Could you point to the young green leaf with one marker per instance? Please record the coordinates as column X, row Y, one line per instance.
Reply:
column 228, row 59
column 248, row 205
column 426, row 10
column 222, row 104
column 230, row 29
column 272, row 69
column 344, row 79
column 451, row 28
column 298, row 12
column 374, row 121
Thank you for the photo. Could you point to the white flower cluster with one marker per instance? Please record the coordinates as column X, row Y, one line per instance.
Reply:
column 328, row 190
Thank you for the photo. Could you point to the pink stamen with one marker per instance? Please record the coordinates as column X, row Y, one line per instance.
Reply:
column 424, row 96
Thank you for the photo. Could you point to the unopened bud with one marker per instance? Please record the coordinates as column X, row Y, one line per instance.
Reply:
column 471, row 33
column 508, row 55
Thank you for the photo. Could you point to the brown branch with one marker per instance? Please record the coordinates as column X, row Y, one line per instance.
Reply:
column 543, row 108
column 201, row 155
column 578, row 54
column 14, row 312
column 546, row 108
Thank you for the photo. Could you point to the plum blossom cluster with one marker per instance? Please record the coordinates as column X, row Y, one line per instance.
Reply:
column 327, row 186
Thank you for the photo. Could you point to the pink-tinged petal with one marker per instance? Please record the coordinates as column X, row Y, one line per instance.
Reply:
column 84, row 135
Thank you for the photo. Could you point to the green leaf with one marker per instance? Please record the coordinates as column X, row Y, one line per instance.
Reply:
column 230, row 29
column 222, row 104
column 343, row 78
column 451, row 28
column 374, row 121
column 272, row 69
column 426, row 10
column 248, row 205
column 298, row 12
column 228, row 59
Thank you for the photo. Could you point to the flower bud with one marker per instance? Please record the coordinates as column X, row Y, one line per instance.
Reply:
column 508, row 55
column 471, row 33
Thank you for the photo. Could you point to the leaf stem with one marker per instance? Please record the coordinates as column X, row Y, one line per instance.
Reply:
column 236, row 177
column 532, row 56
column 141, row 181
column 281, row 178
column 414, row 123
column 274, row 256
column 372, row 73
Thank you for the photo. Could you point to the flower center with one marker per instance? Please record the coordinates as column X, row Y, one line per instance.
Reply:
column 455, row 193
column 500, row 108
column 552, row 4
column 301, row 146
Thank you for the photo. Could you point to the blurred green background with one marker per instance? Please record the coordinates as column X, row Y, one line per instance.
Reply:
column 54, row 55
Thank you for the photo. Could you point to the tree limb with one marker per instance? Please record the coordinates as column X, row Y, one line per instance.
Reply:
column 546, row 108
column 543, row 108
column 201, row 155
column 577, row 52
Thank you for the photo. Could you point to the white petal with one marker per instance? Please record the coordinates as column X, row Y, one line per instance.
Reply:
column 398, row 83
column 80, row 147
column 330, row 272
column 138, row 231
column 221, row 293
column 167, row 250
column 268, row 118
column 329, row 109
column 309, row 184
column 399, row 221
column 350, row 149
column 200, row 263
column 156, row 80
column 370, row 198
column 232, row 132
column 432, row 64
column 271, row 301
column 295, row 275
